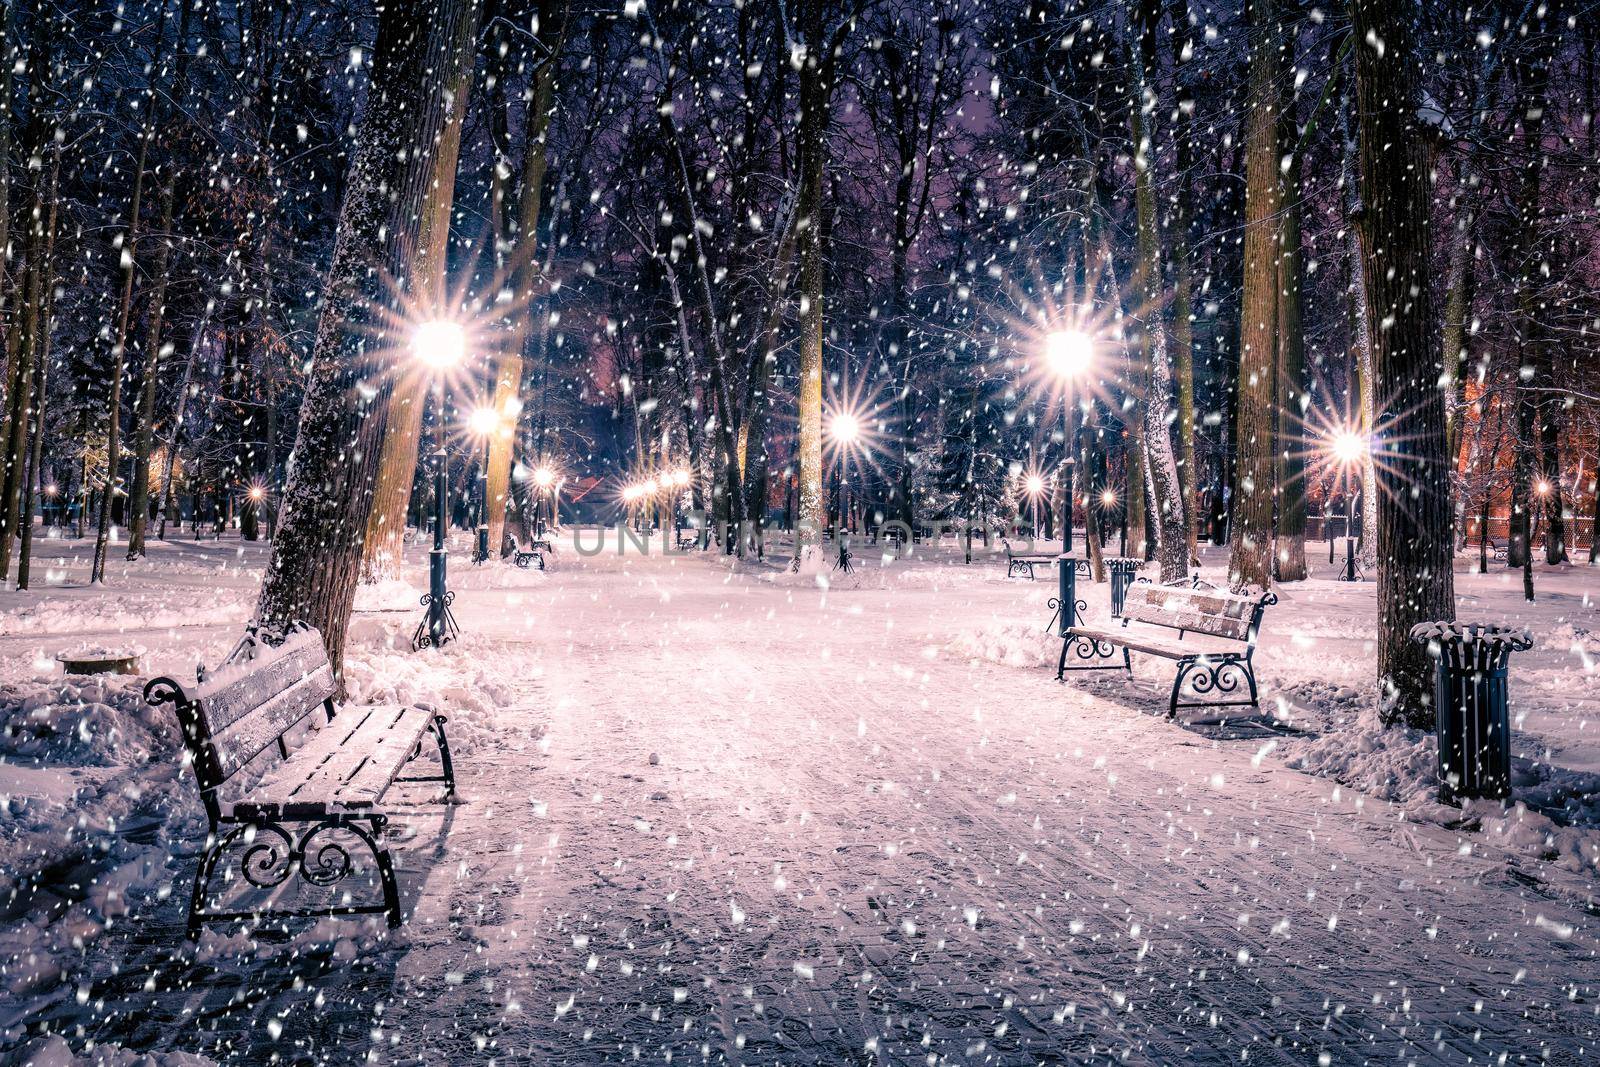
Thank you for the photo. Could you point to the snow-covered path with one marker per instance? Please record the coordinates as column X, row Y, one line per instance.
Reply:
column 744, row 820
column 785, row 826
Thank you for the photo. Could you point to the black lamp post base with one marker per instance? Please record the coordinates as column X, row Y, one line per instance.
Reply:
column 438, row 627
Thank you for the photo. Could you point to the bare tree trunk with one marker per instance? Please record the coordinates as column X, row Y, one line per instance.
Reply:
column 327, row 500
column 119, row 350
column 816, row 101
column 145, row 412
column 1453, row 352
column 1251, row 561
column 1415, row 549
column 451, row 65
column 8, row 61
column 1290, row 557
column 41, row 394
column 14, row 438
column 525, row 269
column 1172, row 540
column 169, row 488
column 1183, row 279
column 812, row 503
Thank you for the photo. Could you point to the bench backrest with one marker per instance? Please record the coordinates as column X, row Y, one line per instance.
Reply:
column 249, row 704
column 1196, row 609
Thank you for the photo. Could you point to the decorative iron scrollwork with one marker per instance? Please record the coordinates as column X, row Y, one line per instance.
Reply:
column 1054, row 604
column 269, row 858
column 158, row 691
column 329, row 862
column 1086, row 648
column 272, row 854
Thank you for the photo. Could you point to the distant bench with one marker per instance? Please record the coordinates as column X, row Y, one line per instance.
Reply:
column 1020, row 563
column 335, row 781
column 534, row 553
column 1155, row 621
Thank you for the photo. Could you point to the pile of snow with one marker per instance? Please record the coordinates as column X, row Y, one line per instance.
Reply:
column 91, row 722
column 128, row 611
column 1394, row 763
column 391, row 594
column 1013, row 644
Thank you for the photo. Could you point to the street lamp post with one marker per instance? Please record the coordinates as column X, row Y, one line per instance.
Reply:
column 484, row 423
column 680, row 483
column 1035, row 487
column 543, row 478
column 440, row 344
column 1349, row 449
column 845, row 429
column 1068, row 354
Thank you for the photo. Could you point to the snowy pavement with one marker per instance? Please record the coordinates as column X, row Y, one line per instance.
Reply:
column 720, row 814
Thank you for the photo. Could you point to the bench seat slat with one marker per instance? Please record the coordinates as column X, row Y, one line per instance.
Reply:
column 348, row 765
column 1202, row 611
column 249, row 735
column 1152, row 642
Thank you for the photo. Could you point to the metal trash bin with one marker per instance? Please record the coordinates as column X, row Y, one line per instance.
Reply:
column 1472, row 706
column 1123, row 569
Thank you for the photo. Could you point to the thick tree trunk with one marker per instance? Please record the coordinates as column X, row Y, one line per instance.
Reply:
column 1415, row 549
column 815, row 96
column 327, row 500
column 449, row 64
column 1251, row 560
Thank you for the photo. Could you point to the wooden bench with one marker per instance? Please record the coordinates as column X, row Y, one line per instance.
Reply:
column 334, row 783
column 1018, row 564
column 1198, row 626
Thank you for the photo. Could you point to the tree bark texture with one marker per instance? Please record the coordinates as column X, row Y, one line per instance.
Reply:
column 327, row 501
column 1415, row 549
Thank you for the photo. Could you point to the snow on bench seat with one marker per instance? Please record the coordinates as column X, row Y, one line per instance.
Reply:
column 346, row 766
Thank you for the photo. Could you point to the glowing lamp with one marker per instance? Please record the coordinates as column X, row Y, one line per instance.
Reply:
column 1034, row 484
column 845, row 427
column 440, row 343
column 543, row 477
column 483, row 421
column 1068, row 352
column 1349, row 447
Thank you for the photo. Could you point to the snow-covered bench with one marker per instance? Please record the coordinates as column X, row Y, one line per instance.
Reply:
column 332, row 784
column 1211, row 661
column 534, row 553
column 1018, row 564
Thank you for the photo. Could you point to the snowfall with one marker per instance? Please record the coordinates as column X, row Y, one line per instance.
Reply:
column 711, row 811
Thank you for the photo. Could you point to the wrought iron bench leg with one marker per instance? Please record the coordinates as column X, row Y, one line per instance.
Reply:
column 391, row 885
column 272, row 854
column 202, row 882
column 1221, row 676
column 1089, row 649
column 448, row 775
